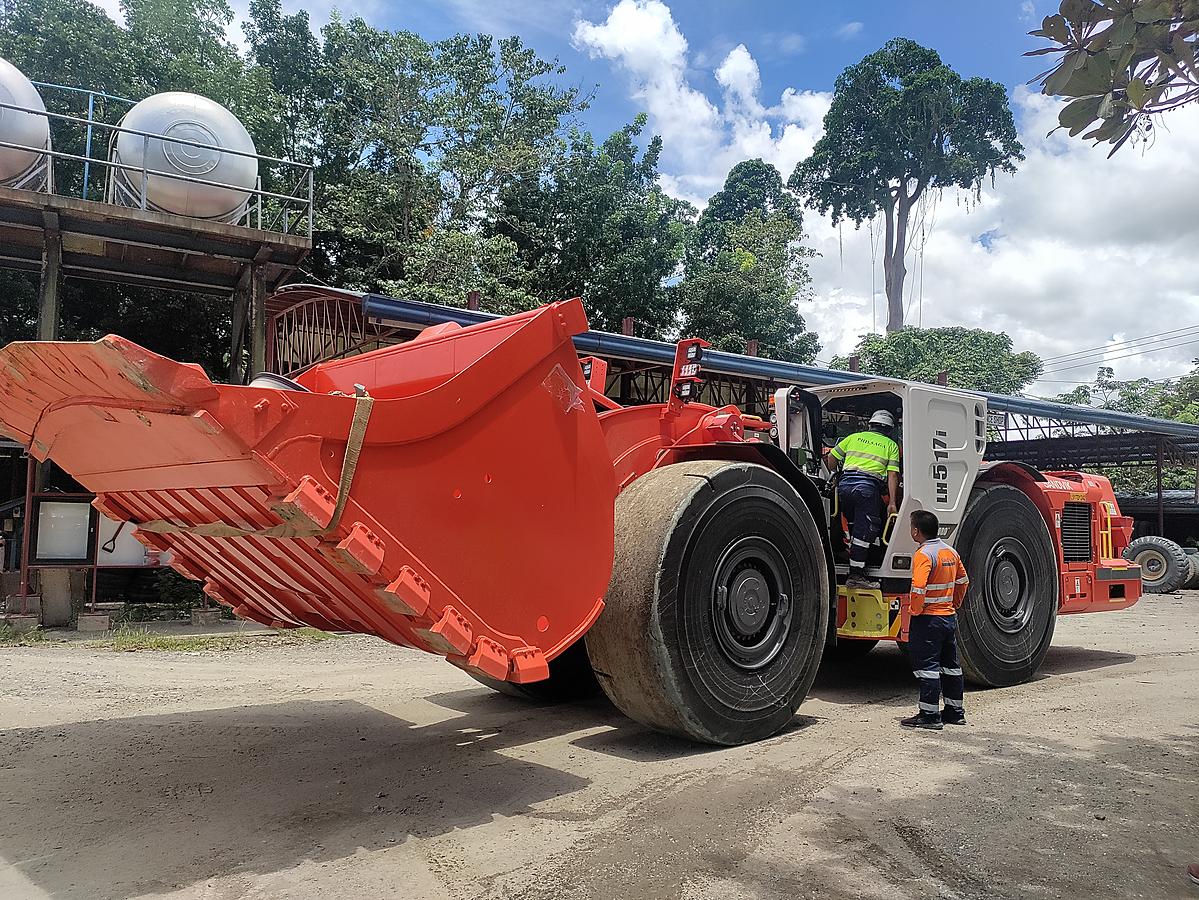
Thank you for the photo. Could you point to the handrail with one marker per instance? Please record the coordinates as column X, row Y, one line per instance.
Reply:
column 59, row 154
column 75, row 90
column 150, row 134
column 294, row 212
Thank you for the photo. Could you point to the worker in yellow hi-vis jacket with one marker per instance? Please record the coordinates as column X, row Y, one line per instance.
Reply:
column 869, row 463
column 939, row 584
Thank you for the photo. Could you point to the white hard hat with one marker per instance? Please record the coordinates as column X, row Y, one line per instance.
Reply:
column 882, row 417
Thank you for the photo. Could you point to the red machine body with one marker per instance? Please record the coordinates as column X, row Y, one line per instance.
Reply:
column 471, row 516
column 479, row 520
column 1089, row 534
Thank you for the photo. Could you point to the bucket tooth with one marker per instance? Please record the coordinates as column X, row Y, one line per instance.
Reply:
column 408, row 594
column 450, row 635
column 529, row 664
column 111, row 508
column 361, row 551
column 460, row 445
column 490, row 659
column 207, row 422
column 308, row 506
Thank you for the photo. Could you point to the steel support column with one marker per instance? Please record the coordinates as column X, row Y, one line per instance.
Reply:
column 48, row 305
column 257, row 321
column 1161, row 509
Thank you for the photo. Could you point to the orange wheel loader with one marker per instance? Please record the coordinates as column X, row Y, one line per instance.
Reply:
column 472, row 493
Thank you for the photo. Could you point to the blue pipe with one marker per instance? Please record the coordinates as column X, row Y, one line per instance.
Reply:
column 602, row 343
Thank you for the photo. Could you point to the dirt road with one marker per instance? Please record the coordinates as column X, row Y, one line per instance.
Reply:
column 351, row 769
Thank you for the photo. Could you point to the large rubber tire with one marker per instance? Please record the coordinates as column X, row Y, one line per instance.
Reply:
column 718, row 607
column 1006, row 623
column 1164, row 566
column 571, row 678
column 1192, row 581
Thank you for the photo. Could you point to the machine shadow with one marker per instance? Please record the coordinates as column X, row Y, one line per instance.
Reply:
column 1066, row 660
column 883, row 675
column 253, row 789
column 620, row 736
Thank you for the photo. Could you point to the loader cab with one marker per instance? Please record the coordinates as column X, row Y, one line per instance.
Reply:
column 941, row 435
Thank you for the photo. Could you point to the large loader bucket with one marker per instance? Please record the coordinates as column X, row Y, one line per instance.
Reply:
column 476, row 523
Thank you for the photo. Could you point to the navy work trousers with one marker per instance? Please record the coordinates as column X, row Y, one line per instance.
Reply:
column 933, row 651
column 861, row 499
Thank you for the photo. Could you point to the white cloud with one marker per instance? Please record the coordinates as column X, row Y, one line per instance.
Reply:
column 1083, row 251
column 1028, row 11
column 741, row 80
column 849, row 30
column 702, row 142
column 783, row 43
column 641, row 37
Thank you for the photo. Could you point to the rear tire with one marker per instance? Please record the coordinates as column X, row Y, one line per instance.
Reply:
column 1164, row 566
column 571, row 678
column 1192, row 581
column 718, row 607
column 1006, row 623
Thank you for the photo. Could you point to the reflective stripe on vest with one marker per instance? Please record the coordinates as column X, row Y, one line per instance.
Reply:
column 944, row 561
column 868, row 453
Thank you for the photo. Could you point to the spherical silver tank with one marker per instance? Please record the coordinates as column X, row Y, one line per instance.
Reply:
column 24, row 128
column 186, row 117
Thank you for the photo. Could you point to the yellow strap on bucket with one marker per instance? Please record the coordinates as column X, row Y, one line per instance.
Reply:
column 349, row 465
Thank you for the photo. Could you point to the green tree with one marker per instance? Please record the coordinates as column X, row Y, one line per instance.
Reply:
column 287, row 51
column 1176, row 399
column 597, row 225
column 749, row 289
column 974, row 359
column 746, row 268
column 497, row 116
column 448, row 263
column 752, row 185
column 1120, row 63
column 903, row 123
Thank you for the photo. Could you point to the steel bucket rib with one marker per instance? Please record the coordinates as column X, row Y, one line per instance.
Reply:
column 479, row 524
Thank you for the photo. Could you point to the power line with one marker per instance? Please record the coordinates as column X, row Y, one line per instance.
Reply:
column 1136, row 349
column 1138, row 352
column 1117, row 345
column 1091, row 380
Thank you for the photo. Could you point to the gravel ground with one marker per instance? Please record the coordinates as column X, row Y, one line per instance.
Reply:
column 352, row 769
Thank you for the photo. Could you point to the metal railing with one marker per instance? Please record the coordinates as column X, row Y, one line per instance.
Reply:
column 289, row 213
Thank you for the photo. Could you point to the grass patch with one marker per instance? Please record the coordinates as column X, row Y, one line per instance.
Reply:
column 127, row 639
column 10, row 637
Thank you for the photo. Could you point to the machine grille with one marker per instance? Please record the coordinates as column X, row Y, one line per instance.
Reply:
column 1076, row 533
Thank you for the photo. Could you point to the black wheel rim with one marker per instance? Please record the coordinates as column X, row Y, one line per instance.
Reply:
column 1008, row 586
column 751, row 602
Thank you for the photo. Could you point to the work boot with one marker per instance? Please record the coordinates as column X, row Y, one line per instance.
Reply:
column 951, row 716
column 1193, row 873
column 931, row 721
column 860, row 581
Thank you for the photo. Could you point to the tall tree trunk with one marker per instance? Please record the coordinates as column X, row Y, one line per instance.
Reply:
column 898, row 212
column 896, row 247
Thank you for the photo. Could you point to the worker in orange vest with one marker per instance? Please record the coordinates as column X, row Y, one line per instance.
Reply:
column 939, row 583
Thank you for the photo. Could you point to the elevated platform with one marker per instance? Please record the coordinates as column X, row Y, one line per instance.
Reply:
column 102, row 241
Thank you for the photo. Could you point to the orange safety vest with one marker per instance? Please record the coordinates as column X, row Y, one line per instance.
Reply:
column 939, row 580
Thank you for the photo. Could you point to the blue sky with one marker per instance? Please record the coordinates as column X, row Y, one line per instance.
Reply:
column 1073, row 251
column 800, row 44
